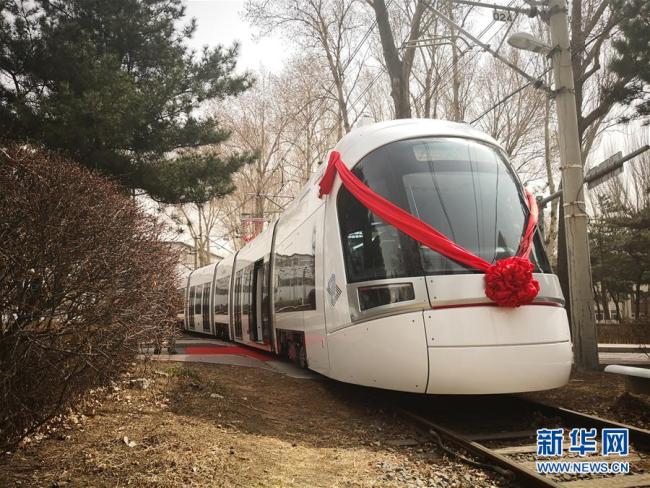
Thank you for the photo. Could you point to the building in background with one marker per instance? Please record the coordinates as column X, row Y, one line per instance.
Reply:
column 188, row 261
column 625, row 309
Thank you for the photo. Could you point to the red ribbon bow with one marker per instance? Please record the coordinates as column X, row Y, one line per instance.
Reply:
column 509, row 282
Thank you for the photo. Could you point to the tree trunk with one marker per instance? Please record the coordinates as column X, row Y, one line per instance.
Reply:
column 637, row 300
column 337, row 75
column 199, row 249
column 399, row 69
column 605, row 300
column 455, row 81
column 597, row 299
column 258, row 225
column 428, row 91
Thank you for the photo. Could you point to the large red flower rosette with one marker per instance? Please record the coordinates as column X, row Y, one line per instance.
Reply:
column 509, row 282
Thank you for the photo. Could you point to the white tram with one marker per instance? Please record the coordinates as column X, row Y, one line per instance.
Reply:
column 339, row 291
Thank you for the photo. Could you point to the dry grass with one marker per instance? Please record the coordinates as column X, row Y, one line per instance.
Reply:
column 600, row 394
column 207, row 425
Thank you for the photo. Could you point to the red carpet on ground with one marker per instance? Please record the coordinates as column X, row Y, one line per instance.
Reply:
column 232, row 350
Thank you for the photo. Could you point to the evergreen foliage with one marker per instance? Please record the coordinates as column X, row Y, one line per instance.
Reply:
column 113, row 85
column 620, row 251
column 632, row 60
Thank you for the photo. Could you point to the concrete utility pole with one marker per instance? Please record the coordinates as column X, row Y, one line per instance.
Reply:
column 583, row 325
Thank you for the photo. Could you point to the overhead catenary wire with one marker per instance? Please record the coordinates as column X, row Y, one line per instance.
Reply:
column 482, row 45
column 332, row 86
column 502, row 101
column 528, row 83
column 449, row 67
column 354, row 53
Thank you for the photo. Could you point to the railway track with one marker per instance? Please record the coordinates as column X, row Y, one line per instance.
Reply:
column 505, row 437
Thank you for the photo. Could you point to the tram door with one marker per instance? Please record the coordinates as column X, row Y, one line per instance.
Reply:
column 257, row 328
column 190, row 308
column 260, row 324
column 237, row 301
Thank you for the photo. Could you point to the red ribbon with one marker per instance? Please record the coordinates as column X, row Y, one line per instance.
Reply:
column 509, row 282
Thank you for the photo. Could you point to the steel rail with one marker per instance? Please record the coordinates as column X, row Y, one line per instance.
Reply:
column 519, row 472
column 639, row 437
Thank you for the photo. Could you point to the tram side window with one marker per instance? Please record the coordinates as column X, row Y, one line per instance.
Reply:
column 373, row 249
column 197, row 300
column 221, row 296
column 206, row 306
column 309, row 284
column 250, row 271
column 295, row 283
column 190, row 307
column 266, row 309
column 278, row 280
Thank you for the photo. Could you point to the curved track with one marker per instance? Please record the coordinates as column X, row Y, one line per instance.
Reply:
column 501, row 432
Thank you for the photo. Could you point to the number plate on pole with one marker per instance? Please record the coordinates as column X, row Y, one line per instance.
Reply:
column 502, row 16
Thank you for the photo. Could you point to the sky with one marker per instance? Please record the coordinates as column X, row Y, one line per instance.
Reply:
column 222, row 22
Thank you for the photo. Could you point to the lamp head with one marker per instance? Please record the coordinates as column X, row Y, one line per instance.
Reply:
column 527, row 42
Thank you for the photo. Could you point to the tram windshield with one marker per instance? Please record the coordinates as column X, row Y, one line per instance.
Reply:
column 463, row 188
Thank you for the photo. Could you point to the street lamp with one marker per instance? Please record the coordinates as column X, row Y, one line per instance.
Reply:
column 527, row 42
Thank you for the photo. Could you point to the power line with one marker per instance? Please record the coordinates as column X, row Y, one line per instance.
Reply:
column 438, row 90
column 525, row 85
column 354, row 53
column 381, row 72
column 332, row 86
column 504, row 100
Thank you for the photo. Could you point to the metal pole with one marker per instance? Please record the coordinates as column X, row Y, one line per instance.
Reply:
column 597, row 174
column 583, row 325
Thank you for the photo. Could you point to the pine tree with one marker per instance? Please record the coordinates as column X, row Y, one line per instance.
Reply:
column 632, row 59
column 113, row 85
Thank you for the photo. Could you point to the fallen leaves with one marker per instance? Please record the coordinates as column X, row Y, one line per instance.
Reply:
column 128, row 442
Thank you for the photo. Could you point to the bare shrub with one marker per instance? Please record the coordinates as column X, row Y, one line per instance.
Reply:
column 84, row 280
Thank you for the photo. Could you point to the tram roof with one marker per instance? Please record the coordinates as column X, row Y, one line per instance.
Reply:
column 203, row 274
column 362, row 140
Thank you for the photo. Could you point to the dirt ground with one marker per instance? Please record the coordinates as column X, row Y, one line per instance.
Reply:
column 200, row 425
column 600, row 394
column 214, row 425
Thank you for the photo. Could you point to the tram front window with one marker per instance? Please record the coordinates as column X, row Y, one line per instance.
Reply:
column 462, row 188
